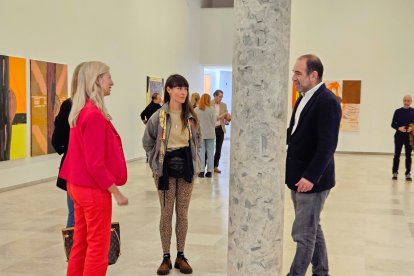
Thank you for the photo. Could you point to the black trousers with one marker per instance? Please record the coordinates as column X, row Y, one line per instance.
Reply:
column 401, row 139
column 219, row 144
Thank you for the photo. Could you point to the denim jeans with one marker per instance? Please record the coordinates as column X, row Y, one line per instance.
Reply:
column 71, row 212
column 207, row 147
column 308, row 235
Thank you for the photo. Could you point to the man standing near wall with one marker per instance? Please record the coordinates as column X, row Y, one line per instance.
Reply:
column 312, row 138
column 153, row 106
column 222, row 114
column 401, row 121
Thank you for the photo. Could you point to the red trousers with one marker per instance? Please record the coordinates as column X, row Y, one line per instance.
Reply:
column 91, row 240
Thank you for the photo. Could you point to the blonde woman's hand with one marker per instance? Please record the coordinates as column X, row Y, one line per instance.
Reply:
column 121, row 200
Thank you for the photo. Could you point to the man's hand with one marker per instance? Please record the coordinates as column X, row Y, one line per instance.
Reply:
column 402, row 129
column 304, row 185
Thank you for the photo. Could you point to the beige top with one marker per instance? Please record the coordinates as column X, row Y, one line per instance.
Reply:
column 178, row 137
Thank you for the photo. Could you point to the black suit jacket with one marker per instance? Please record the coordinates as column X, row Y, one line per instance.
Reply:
column 312, row 146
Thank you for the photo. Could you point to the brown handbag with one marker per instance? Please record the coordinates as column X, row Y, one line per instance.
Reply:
column 114, row 249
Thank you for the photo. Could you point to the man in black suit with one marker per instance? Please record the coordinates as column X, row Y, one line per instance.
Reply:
column 312, row 138
column 153, row 106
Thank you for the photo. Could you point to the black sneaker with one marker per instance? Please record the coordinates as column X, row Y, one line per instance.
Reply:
column 394, row 176
column 408, row 177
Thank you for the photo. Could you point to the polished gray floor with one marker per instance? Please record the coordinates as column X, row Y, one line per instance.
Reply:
column 368, row 222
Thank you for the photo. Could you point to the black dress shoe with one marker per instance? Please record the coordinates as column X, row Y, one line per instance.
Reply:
column 208, row 174
column 201, row 175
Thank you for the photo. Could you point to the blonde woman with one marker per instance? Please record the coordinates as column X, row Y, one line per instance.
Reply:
column 195, row 98
column 171, row 140
column 60, row 140
column 93, row 168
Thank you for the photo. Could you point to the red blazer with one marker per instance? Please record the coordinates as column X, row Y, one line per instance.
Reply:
column 95, row 156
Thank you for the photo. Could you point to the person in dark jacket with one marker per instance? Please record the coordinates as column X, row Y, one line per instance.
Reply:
column 60, row 140
column 312, row 138
column 401, row 121
column 151, row 108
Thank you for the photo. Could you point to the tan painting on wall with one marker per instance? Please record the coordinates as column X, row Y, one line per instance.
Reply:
column 351, row 104
column 48, row 89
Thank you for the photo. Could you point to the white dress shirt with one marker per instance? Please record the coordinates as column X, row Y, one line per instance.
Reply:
column 306, row 97
column 217, row 108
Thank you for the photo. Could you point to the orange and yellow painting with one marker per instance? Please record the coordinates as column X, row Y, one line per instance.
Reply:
column 295, row 95
column 48, row 89
column 13, row 115
column 334, row 86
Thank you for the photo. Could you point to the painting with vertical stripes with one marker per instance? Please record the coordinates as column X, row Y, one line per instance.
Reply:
column 13, row 115
column 48, row 89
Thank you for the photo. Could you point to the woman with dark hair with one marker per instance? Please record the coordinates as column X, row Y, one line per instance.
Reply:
column 172, row 140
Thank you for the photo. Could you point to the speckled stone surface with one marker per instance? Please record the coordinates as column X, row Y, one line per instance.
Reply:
column 257, row 160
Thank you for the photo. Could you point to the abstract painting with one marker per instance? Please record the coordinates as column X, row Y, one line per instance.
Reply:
column 48, row 89
column 13, row 115
column 154, row 85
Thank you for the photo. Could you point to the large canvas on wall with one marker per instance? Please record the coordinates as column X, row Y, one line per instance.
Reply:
column 13, row 114
column 48, row 89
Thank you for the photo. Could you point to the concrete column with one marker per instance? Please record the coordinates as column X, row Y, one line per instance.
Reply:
column 258, row 136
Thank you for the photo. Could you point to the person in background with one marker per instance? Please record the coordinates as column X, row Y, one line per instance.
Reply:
column 222, row 114
column 207, row 117
column 94, row 167
column 401, row 121
column 194, row 100
column 153, row 106
column 171, row 140
column 60, row 141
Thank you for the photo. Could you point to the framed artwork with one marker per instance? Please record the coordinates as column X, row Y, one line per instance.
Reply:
column 48, row 89
column 13, row 114
column 154, row 85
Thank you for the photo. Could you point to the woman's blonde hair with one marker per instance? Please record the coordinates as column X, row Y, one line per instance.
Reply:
column 195, row 97
column 87, row 88
column 74, row 84
column 205, row 101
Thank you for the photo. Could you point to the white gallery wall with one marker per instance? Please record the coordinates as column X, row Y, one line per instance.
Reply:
column 367, row 40
column 135, row 38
